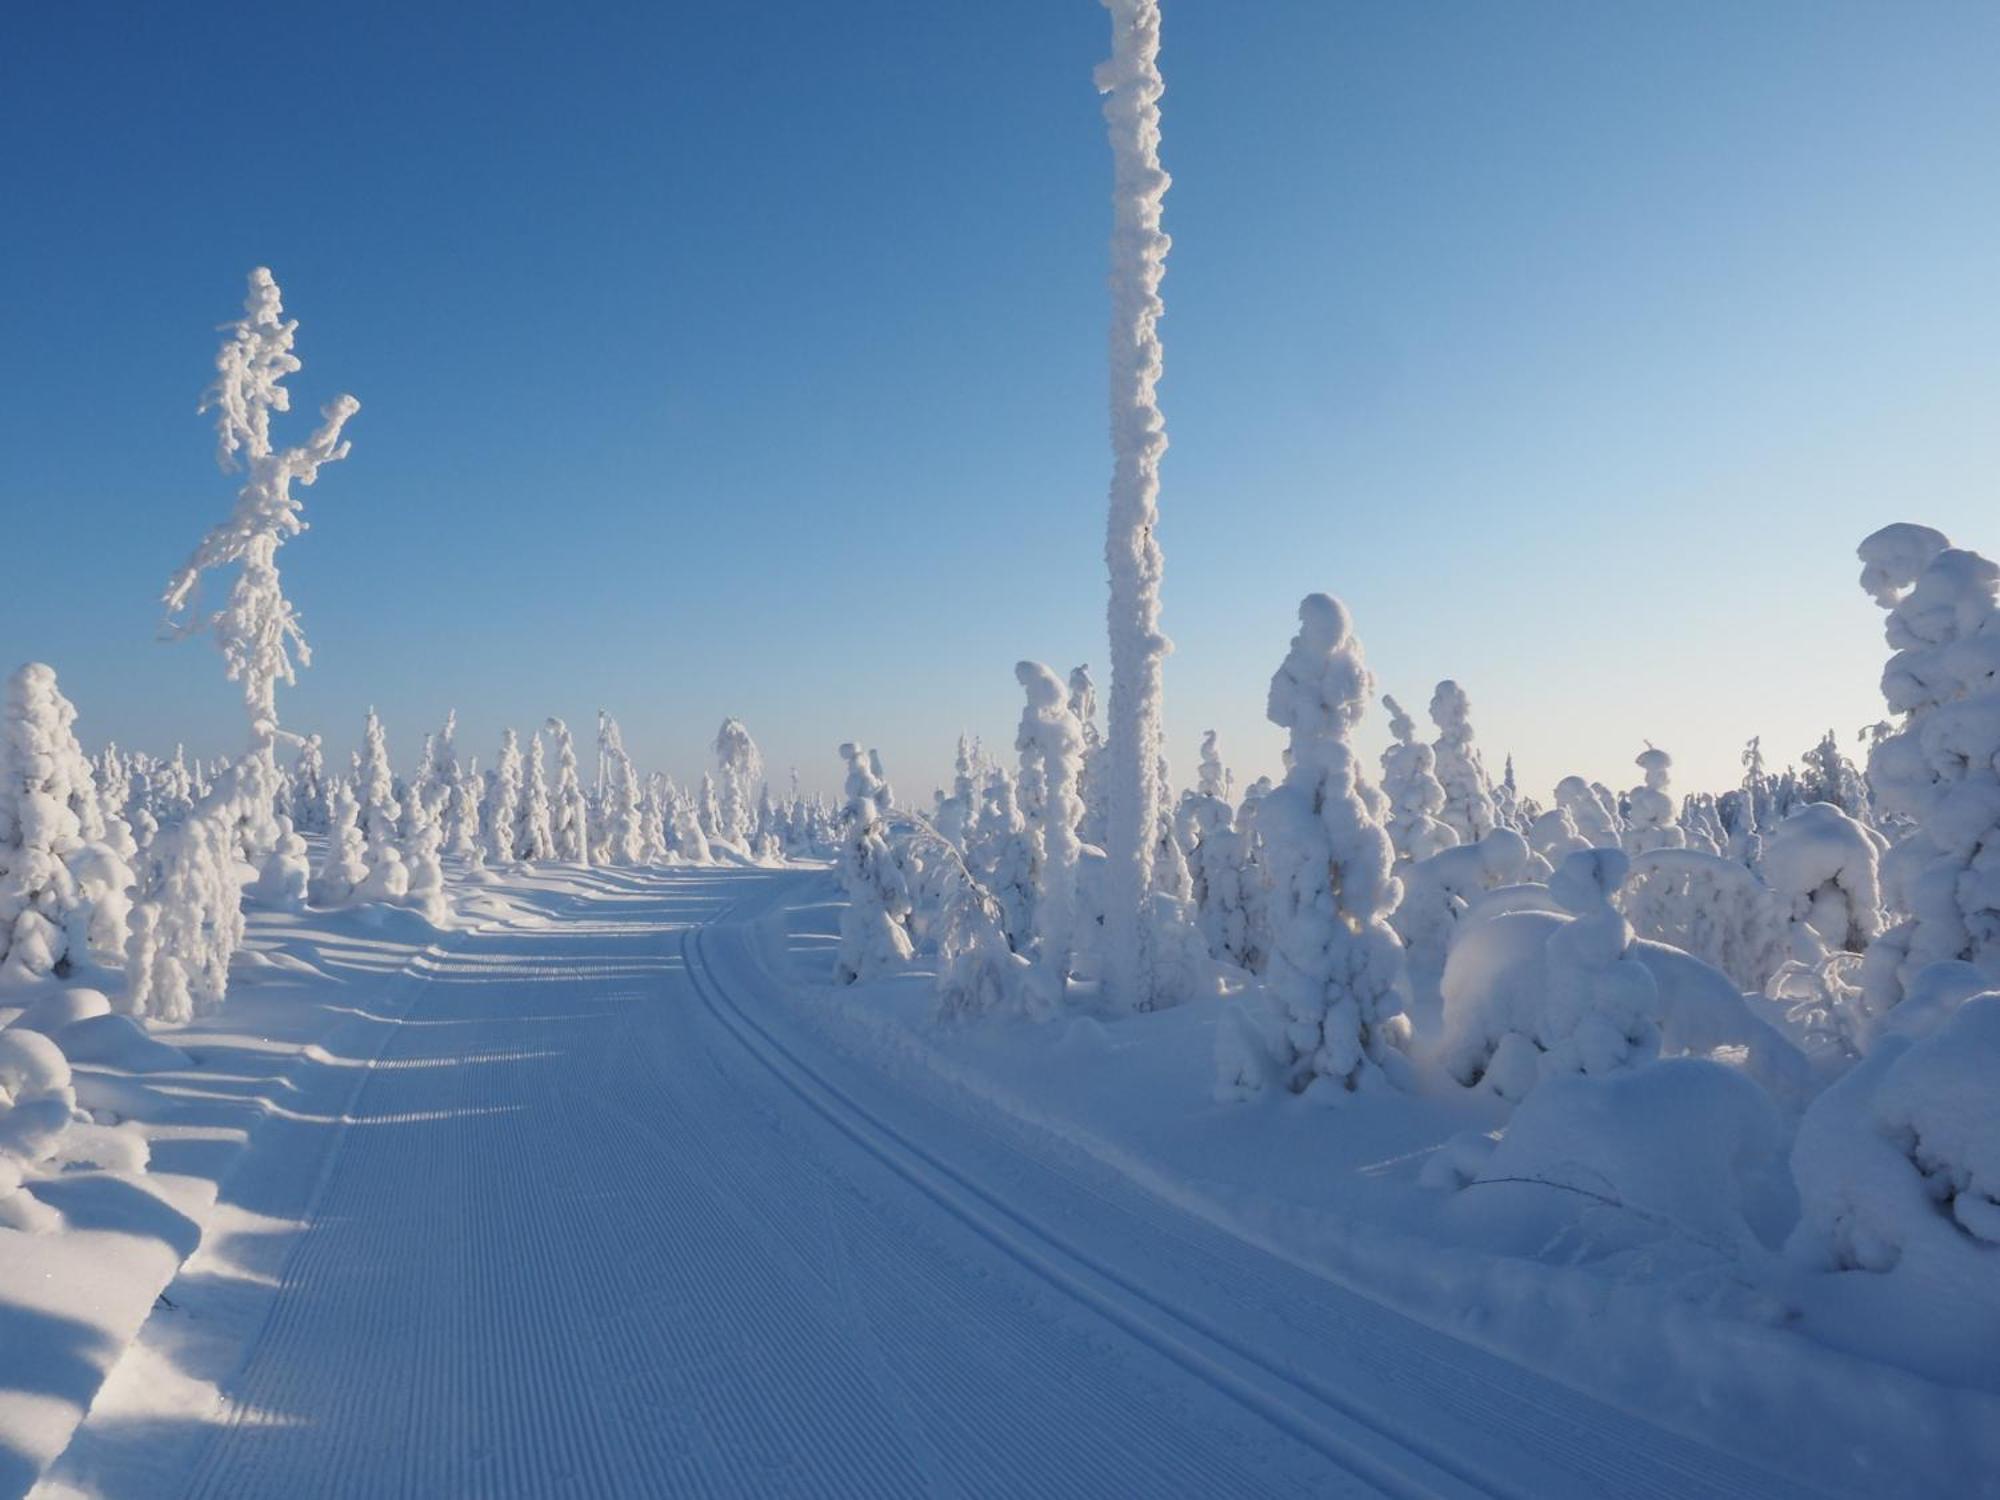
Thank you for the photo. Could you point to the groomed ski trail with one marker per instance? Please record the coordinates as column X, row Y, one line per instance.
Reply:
column 603, row 1219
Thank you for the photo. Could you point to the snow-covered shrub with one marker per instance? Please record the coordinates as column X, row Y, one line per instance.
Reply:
column 1589, row 1006
column 872, row 935
column 1051, row 745
column 257, row 631
column 1468, row 794
column 1823, row 866
column 503, row 802
column 1335, row 972
column 1711, row 907
column 569, row 817
column 424, row 878
column 63, row 861
column 1553, row 835
column 1939, row 769
column 1898, row 1170
column 286, row 874
column 1416, row 796
column 1649, row 807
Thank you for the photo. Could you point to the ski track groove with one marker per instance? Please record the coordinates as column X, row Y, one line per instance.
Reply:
column 645, row 1247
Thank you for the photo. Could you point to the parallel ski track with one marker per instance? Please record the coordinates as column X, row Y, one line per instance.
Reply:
column 1589, row 1449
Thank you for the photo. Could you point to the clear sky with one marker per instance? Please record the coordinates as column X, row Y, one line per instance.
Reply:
column 748, row 358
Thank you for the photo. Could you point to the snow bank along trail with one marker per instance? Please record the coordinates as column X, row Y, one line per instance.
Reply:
column 603, row 1223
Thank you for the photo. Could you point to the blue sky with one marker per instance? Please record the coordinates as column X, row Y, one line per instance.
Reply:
column 748, row 359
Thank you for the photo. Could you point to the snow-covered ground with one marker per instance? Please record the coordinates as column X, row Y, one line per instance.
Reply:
column 611, row 1192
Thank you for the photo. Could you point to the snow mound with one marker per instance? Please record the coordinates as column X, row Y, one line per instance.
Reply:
column 53, row 1012
column 118, row 1042
column 1685, row 1145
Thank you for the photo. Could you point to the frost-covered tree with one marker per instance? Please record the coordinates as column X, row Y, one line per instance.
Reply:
column 708, row 809
column 310, row 813
column 64, row 868
column 257, row 630
column 956, row 812
column 376, row 789
column 684, row 831
column 534, row 835
column 739, row 767
column 1050, row 741
column 1468, row 795
column 1336, row 967
column 872, row 934
column 424, row 890
column 1829, row 776
column 653, row 843
column 1593, row 812
column 622, row 836
column 569, row 816
column 1130, row 81
column 1218, row 858
column 1939, row 768
column 344, row 867
column 503, row 802
column 1416, row 796
column 1649, row 808
column 1002, row 858
column 461, row 824
column 1083, row 704
column 187, row 918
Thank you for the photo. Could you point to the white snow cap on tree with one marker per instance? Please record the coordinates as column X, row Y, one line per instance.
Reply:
column 63, row 870
column 1468, row 794
column 1130, row 81
column 257, row 630
column 1335, row 967
column 1940, row 767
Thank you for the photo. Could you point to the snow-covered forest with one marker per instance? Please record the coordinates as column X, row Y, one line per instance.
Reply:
column 1681, row 1098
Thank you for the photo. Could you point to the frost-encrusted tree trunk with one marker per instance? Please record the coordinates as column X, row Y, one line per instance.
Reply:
column 1940, row 767
column 257, row 631
column 1051, row 746
column 1336, row 966
column 1130, row 81
column 569, row 816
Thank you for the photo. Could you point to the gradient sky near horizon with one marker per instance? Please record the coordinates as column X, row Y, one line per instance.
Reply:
column 748, row 358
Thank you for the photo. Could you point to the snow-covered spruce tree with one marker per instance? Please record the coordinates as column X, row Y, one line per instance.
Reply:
column 381, row 817
column 685, row 832
column 257, row 630
column 1083, row 704
column 534, row 834
column 1829, row 776
column 461, row 821
column 709, row 810
column 1002, row 858
column 872, row 935
column 1130, row 81
column 187, row 920
column 1468, row 795
column 1649, row 808
column 1336, row 967
column 344, row 866
column 1823, row 870
column 310, row 813
column 64, row 868
column 1218, row 860
column 1416, row 796
column 1051, row 745
column 503, row 802
column 1939, row 769
column 622, row 835
column 653, row 844
column 739, row 767
column 569, row 817
column 956, row 812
